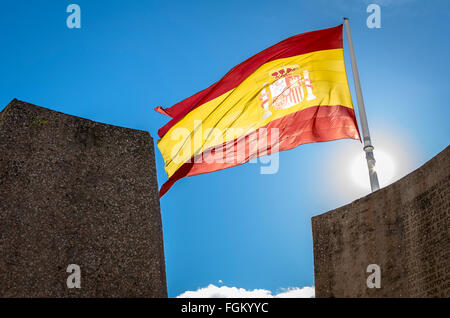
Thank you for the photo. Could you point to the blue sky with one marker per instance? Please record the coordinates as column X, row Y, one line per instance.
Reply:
column 246, row 229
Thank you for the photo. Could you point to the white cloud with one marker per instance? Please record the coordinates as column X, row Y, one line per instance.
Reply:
column 213, row 291
column 296, row 292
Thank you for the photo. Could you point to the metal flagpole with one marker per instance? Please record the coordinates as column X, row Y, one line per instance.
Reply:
column 368, row 148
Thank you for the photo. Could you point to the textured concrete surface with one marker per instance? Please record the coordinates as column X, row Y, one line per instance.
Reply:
column 73, row 191
column 403, row 228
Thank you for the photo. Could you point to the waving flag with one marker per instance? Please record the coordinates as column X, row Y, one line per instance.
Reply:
column 292, row 93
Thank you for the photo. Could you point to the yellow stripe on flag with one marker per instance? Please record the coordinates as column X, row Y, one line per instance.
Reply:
column 241, row 110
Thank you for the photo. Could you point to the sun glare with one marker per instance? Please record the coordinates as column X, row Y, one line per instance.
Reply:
column 385, row 167
column 347, row 175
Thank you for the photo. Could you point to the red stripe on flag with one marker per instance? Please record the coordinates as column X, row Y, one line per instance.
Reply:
column 325, row 39
column 314, row 124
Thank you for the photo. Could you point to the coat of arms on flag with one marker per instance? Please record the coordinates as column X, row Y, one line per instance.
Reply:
column 287, row 90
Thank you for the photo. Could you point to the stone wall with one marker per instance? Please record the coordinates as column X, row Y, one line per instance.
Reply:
column 403, row 228
column 73, row 191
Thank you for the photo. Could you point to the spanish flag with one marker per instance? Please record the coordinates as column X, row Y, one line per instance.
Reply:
column 292, row 93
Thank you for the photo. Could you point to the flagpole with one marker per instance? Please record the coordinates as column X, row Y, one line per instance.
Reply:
column 368, row 147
